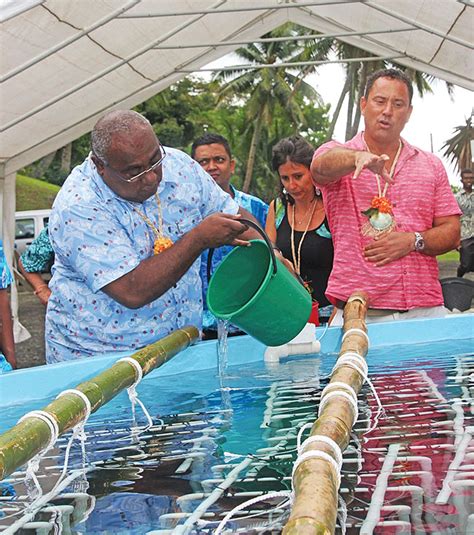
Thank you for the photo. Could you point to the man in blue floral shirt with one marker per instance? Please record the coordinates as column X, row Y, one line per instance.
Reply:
column 212, row 152
column 127, row 228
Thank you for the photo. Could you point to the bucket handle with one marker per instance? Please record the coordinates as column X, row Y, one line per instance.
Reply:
column 262, row 233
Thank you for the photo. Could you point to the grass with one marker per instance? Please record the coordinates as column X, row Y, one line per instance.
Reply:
column 451, row 256
column 34, row 194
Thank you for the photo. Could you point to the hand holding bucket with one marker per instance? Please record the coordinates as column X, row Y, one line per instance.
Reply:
column 253, row 290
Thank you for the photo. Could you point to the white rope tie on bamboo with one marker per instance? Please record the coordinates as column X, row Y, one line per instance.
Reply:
column 339, row 385
column 354, row 361
column 132, row 390
column 353, row 298
column 358, row 363
column 49, row 420
column 33, row 464
column 326, row 440
column 85, row 399
column 314, row 454
column 77, row 432
column 302, row 429
column 354, row 330
column 340, row 394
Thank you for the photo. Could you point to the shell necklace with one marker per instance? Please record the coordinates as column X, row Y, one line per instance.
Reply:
column 296, row 252
column 380, row 212
column 161, row 242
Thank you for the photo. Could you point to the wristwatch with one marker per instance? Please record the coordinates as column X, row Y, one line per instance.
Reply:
column 419, row 242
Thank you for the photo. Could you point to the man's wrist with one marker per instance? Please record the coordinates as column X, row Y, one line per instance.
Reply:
column 419, row 242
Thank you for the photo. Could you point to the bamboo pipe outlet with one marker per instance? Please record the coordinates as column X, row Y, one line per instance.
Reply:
column 29, row 437
column 315, row 481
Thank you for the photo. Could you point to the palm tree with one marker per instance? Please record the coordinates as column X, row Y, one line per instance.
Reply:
column 264, row 88
column 356, row 79
column 459, row 146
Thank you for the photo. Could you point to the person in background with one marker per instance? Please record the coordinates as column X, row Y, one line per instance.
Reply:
column 37, row 259
column 465, row 199
column 390, row 209
column 7, row 342
column 213, row 154
column 127, row 228
column 297, row 221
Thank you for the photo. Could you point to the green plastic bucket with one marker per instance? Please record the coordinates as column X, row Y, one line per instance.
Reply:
column 253, row 290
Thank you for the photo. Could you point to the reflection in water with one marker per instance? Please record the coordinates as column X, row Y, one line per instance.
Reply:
column 209, row 424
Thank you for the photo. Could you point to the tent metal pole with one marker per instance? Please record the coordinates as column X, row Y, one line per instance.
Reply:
column 295, row 64
column 306, row 37
column 8, row 203
column 267, row 7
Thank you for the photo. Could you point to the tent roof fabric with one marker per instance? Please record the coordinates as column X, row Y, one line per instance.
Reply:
column 65, row 62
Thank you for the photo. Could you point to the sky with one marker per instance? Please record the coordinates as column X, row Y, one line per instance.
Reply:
column 432, row 122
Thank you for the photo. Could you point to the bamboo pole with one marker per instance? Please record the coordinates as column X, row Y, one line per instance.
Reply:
column 315, row 483
column 27, row 438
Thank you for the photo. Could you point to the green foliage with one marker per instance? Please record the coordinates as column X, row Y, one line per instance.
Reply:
column 49, row 167
column 184, row 111
column 191, row 107
column 34, row 194
column 271, row 94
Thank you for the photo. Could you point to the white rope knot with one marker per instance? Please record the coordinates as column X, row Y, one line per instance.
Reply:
column 356, row 331
column 49, row 420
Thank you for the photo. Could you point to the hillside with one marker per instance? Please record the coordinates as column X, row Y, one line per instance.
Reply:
column 34, row 194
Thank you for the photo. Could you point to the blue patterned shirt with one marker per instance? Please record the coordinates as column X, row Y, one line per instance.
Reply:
column 39, row 256
column 259, row 209
column 98, row 237
column 5, row 273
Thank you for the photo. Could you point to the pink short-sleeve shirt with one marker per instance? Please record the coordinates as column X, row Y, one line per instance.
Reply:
column 420, row 193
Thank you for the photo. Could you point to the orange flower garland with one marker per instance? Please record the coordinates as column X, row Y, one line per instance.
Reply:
column 161, row 242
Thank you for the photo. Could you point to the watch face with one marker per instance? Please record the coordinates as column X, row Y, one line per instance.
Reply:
column 419, row 242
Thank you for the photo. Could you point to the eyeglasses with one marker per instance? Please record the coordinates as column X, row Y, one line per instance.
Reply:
column 132, row 178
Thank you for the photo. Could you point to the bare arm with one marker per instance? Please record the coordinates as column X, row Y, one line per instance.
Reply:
column 37, row 282
column 270, row 227
column 337, row 162
column 441, row 238
column 157, row 274
column 7, row 343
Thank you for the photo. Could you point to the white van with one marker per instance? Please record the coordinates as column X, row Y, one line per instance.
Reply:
column 28, row 225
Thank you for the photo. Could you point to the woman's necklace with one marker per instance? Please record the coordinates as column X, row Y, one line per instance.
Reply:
column 296, row 253
column 380, row 212
column 311, row 206
column 161, row 242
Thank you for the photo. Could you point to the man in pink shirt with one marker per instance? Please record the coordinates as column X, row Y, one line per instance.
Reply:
column 390, row 209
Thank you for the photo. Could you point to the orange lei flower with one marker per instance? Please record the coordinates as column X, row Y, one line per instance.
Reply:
column 381, row 204
column 161, row 244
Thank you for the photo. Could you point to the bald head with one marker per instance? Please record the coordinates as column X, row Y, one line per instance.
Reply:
column 117, row 123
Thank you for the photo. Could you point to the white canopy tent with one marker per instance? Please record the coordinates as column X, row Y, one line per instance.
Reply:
column 66, row 62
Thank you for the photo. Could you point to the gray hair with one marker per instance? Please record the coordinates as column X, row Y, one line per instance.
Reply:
column 114, row 122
